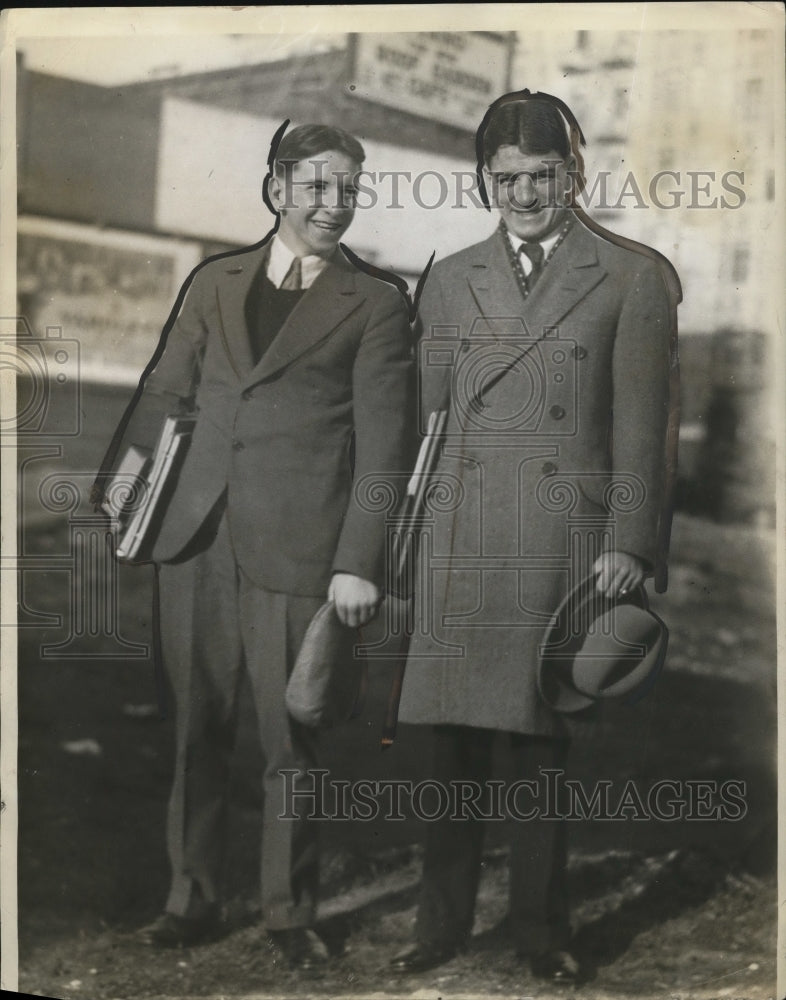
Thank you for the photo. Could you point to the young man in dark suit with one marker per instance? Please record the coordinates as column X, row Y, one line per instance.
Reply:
column 297, row 366
column 549, row 342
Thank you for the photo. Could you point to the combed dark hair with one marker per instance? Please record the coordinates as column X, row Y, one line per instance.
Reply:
column 536, row 123
column 305, row 141
column 533, row 126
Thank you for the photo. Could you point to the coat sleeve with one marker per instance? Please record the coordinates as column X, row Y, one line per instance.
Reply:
column 171, row 385
column 383, row 415
column 434, row 349
column 641, row 365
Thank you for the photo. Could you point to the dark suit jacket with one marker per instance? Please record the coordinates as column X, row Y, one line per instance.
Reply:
column 573, row 432
column 276, row 435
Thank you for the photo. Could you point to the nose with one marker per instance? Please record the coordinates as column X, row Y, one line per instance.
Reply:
column 336, row 202
column 346, row 201
column 523, row 194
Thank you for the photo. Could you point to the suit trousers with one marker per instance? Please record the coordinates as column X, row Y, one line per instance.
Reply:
column 538, row 914
column 214, row 624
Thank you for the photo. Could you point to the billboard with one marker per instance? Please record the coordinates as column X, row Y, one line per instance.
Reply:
column 449, row 77
column 111, row 291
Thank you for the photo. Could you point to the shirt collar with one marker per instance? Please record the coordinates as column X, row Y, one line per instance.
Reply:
column 281, row 258
column 547, row 243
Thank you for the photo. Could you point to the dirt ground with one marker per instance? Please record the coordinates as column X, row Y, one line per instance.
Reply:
column 661, row 909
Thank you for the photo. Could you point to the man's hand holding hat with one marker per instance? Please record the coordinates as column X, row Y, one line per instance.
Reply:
column 357, row 600
column 618, row 574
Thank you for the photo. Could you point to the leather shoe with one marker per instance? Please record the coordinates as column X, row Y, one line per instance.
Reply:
column 302, row 948
column 556, row 966
column 420, row 956
column 173, row 931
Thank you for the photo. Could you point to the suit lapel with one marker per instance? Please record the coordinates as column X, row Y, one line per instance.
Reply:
column 327, row 303
column 232, row 288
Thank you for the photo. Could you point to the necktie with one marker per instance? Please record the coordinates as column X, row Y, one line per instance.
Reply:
column 535, row 253
column 293, row 279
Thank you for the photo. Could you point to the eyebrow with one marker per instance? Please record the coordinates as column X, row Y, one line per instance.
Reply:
column 319, row 180
column 549, row 170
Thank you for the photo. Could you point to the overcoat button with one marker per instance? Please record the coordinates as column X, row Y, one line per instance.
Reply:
column 247, row 394
column 556, row 413
column 238, row 445
column 548, row 468
column 579, row 353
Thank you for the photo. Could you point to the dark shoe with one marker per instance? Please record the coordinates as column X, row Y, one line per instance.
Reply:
column 301, row 947
column 420, row 956
column 173, row 931
column 556, row 966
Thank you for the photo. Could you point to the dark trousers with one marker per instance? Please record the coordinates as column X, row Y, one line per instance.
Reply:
column 451, row 869
column 214, row 624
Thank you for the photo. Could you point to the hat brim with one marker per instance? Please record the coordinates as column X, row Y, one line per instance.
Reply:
column 574, row 674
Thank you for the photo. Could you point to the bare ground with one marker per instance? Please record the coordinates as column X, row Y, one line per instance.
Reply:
column 673, row 910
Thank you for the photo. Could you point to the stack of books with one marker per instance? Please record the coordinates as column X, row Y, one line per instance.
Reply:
column 142, row 486
column 413, row 512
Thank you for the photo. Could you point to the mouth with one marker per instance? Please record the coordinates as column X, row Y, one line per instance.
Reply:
column 328, row 227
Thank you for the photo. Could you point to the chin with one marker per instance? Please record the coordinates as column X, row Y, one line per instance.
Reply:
column 535, row 226
column 322, row 246
column 326, row 241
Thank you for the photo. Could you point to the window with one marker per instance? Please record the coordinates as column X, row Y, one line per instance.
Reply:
column 740, row 262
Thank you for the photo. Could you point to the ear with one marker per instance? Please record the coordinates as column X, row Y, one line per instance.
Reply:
column 572, row 178
column 488, row 180
column 486, row 175
column 275, row 192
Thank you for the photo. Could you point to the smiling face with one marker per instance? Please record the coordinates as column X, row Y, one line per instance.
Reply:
column 316, row 199
column 529, row 190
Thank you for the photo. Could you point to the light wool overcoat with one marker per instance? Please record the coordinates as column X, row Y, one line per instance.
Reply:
column 555, row 450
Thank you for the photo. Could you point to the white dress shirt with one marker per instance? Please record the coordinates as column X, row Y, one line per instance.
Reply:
column 280, row 261
column 547, row 244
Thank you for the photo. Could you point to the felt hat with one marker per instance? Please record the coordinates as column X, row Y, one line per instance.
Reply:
column 328, row 683
column 596, row 649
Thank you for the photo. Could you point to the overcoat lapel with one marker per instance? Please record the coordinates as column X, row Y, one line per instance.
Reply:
column 493, row 281
column 566, row 280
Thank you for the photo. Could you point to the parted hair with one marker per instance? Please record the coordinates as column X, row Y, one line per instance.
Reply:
column 536, row 123
column 305, row 141
column 533, row 126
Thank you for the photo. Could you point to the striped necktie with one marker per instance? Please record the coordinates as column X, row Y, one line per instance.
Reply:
column 535, row 253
